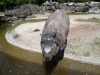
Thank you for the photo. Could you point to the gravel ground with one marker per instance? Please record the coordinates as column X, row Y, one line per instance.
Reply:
column 83, row 39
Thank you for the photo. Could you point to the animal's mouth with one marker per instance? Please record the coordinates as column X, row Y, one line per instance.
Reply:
column 47, row 58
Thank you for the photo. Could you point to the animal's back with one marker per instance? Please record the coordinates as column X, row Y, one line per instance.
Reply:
column 57, row 22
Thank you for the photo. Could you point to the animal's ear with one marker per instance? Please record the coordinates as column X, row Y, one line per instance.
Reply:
column 56, row 50
column 57, row 40
column 42, row 46
column 42, row 41
column 63, row 45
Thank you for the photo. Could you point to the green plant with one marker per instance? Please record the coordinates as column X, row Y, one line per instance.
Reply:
column 48, row 11
column 87, row 54
column 89, row 20
column 97, row 41
column 79, row 13
column 16, row 36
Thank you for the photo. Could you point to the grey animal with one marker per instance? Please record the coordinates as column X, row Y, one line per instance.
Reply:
column 54, row 35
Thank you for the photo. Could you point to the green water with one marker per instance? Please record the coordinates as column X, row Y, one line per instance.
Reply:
column 17, row 61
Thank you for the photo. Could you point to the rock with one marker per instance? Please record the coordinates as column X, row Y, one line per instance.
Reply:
column 86, row 8
column 36, row 30
column 4, row 19
column 36, row 9
column 47, row 3
column 80, row 4
column 2, row 14
column 81, row 9
column 41, row 9
column 22, row 15
column 21, row 12
column 94, row 4
column 71, row 9
column 27, row 10
column 99, row 6
column 32, row 16
column 50, row 5
column 56, row 5
column 94, row 10
column 13, row 19
column 63, row 6
column 9, row 13
column 71, row 4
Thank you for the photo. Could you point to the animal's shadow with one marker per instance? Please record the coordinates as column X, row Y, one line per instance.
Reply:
column 50, row 65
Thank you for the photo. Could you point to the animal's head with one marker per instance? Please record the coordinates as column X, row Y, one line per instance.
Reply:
column 49, row 47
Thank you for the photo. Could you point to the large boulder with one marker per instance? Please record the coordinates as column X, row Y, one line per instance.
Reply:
column 7, row 17
column 94, row 4
column 46, row 5
column 71, row 4
column 94, row 10
column 71, row 9
column 9, row 13
column 81, row 9
column 21, row 12
column 13, row 19
column 56, row 5
column 80, row 4
column 27, row 10
column 22, row 15
column 4, row 19
column 50, row 5
column 63, row 6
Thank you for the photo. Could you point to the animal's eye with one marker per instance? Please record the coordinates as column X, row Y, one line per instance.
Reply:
column 54, row 41
column 42, row 41
column 42, row 44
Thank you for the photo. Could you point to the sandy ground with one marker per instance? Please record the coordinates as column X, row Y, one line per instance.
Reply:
column 82, row 39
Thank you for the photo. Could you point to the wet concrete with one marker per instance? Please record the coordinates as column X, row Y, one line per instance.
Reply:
column 17, row 61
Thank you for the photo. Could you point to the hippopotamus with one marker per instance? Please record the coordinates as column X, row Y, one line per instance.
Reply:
column 54, row 35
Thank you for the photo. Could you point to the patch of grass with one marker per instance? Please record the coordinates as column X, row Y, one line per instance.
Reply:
column 1, row 30
column 80, row 13
column 25, row 21
column 87, row 54
column 97, row 41
column 97, row 20
column 1, row 14
column 73, row 13
column 16, row 36
column 48, row 11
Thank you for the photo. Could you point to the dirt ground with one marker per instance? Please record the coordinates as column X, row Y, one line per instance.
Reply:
column 83, row 38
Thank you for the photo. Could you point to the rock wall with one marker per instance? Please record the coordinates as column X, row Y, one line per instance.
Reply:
column 73, row 7
column 25, row 11
column 28, row 10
